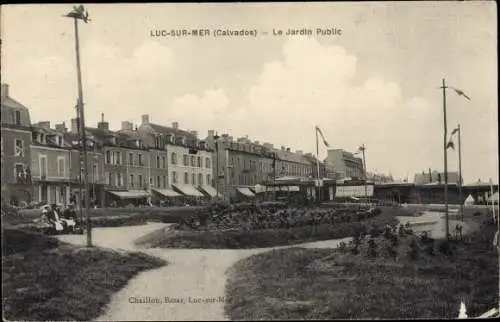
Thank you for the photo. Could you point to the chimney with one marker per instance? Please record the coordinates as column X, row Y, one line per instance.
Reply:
column 211, row 134
column 5, row 90
column 104, row 126
column 195, row 133
column 145, row 119
column 74, row 125
column 288, row 149
column 175, row 125
column 126, row 126
column 61, row 128
column 44, row 125
column 282, row 148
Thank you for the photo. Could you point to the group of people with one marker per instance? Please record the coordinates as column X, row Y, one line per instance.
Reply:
column 59, row 219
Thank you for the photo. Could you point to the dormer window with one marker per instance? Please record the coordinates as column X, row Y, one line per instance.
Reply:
column 59, row 140
column 183, row 140
column 138, row 143
column 113, row 140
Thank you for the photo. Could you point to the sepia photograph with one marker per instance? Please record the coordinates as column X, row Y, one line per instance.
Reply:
column 250, row 161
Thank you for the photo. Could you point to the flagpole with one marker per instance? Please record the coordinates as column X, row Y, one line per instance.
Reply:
column 364, row 168
column 445, row 146
column 460, row 172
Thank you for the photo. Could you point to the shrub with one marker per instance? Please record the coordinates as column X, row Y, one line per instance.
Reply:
column 414, row 250
column 446, row 248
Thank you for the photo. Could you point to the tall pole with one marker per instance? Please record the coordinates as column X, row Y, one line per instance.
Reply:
column 445, row 147
column 364, row 169
column 84, row 138
column 460, row 172
column 274, row 176
column 217, row 167
column 317, row 168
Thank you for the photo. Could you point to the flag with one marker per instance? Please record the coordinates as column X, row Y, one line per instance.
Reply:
column 460, row 93
column 450, row 145
column 79, row 13
column 322, row 136
column 454, row 131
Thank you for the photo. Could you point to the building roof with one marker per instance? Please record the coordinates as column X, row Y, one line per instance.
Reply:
column 170, row 130
column 291, row 156
column 8, row 106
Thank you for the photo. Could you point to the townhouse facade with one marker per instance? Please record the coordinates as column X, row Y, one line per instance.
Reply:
column 15, row 143
column 188, row 160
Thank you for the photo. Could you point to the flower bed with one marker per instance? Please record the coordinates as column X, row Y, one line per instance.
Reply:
column 248, row 236
column 394, row 275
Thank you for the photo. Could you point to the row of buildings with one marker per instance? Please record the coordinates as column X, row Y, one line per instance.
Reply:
column 43, row 163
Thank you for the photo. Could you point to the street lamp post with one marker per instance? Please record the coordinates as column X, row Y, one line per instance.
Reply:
column 217, row 177
column 79, row 13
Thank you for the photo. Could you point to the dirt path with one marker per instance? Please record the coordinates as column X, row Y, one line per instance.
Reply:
column 192, row 274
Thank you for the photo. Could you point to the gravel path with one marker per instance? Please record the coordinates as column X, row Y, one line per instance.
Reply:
column 193, row 281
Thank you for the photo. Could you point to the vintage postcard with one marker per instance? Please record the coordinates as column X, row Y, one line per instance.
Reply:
column 249, row 161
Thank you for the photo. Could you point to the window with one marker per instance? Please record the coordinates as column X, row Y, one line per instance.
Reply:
column 164, row 181
column 199, row 162
column 209, row 179
column 19, row 171
column 131, row 180
column 108, row 157
column 207, row 163
column 43, row 165
column 61, row 169
column 157, row 161
column 139, row 180
column 173, row 158
column 200, row 179
column 193, row 179
column 118, row 157
column 17, row 118
column 163, row 163
column 193, row 162
column 108, row 179
column 186, row 178
column 174, row 177
column 141, row 161
column 19, row 148
column 119, row 179
column 95, row 173
column 185, row 160
column 158, row 181
column 131, row 158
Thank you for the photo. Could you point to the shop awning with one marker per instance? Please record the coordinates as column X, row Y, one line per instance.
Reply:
column 167, row 192
column 189, row 190
column 246, row 192
column 210, row 190
column 130, row 194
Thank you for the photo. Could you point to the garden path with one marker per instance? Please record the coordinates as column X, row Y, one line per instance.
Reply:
column 190, row 274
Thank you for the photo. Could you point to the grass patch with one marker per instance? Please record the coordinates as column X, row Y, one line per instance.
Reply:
column 45, row 279
column 302, row 283
column 239, row 239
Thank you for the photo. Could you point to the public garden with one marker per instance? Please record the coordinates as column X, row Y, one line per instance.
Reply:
column 267, row 262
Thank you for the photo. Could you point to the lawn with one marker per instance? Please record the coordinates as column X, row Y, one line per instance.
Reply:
column 242, row 238
column 410, row 283
column 45, row 279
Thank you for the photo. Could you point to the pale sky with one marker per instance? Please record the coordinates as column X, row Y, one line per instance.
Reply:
column 377, row 83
